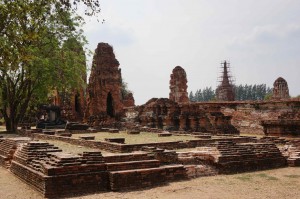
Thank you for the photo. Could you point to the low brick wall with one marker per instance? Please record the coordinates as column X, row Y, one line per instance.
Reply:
column 8, row 148
column 129, row 179
column 120, row 166
column 229, row 157
column 30, row 176
column 126, row 157
column 62, row 185
column 126, row 148
column 57, row 174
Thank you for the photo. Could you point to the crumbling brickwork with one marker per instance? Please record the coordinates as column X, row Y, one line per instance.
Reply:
column 280, row 89
column 104, row 88
column 105, row 97
column 230, row 157
column 167, row 114
column 128, row 100
column 287, row 125
column 178, row 85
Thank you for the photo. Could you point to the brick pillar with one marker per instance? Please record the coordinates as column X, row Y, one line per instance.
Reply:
column 182, row 123
column 168, row 121
column 193, row 123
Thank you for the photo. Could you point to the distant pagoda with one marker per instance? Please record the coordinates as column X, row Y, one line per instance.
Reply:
column 225, row 90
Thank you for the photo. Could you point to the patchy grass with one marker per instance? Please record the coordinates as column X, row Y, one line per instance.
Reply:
column 292, row 176
column 251, row 177
column 244, row 177
column 74, row 149
column 266, row 176
column 143, row 137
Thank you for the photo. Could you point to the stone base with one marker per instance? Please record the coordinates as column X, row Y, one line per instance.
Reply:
column 116, row 140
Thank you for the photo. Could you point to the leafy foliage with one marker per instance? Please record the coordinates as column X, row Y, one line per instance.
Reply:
column 37, row 39
column 124, row 89
column 242, row 92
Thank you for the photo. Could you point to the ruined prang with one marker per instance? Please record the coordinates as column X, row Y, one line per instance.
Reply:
column 225, row 90
column 280, row 89
column 178, row 85
column 105, row 82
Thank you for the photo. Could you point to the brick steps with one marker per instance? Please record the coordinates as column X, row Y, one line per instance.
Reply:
column 127, row 157
column 8, row 148
column 132, row 171
column 293, row 161
column 120, row 166
column 141, row 178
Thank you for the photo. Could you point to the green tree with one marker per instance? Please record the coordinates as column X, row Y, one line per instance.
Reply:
column 124, row 89
column 32, row 59
column 192, row 97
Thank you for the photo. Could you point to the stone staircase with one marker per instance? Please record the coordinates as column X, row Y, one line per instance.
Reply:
column 8, row 148
column 248, row 156
column 55, row 173
column 292, row 152
column 132, row 171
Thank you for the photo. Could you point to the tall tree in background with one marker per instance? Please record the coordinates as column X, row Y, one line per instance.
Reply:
column 207, row 94
column 251, row 92
column 242, row 92
column 32, row 61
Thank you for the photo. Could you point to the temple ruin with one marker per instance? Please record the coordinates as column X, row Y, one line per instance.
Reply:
column 225, row 90
column 280, row 89
column 133, row 147
column 286, row 125
column 104, row 91
column 166, row 114
column 178, row 85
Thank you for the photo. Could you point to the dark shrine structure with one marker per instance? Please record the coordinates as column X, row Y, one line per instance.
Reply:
column 280, row 89
column 225, row 90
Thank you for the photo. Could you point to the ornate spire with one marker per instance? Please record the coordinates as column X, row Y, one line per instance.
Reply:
column 225, row 91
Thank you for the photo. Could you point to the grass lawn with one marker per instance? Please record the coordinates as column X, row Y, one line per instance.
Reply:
column 143, row 137
column 74, row 149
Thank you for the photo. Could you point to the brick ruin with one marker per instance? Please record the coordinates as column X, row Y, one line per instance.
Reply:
column 178, row 85
column 229, row 157
column 218, row 148
column 247, row 116
column 128, row 100
column 225, row 91
column 177, row 113
column 166, row 114
column 280, row 89
column 105, row 98
column 72, row 105
column 286, row 125
column 57, row 174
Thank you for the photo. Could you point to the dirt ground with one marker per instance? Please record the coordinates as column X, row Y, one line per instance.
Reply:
column 279, row 183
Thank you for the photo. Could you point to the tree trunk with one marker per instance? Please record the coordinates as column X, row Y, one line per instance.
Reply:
column 11, row 125
column 11, row 120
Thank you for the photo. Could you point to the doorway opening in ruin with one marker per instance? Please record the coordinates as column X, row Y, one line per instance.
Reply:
column 176, row 123
column 109, row 105
column 77, row 103
column 159, row 123
column 187, row 123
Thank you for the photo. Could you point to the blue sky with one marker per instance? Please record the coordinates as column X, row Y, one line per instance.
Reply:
column 260, row 38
